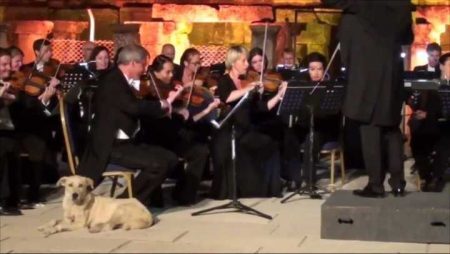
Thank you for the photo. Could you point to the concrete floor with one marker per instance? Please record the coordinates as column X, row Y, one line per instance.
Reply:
column 295, row 228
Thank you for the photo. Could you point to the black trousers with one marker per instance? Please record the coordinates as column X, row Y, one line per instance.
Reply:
column 9, row 170
column 383, row 151
column 442, row 157
column 195, row 155
column 154, row 163
column 422, row 147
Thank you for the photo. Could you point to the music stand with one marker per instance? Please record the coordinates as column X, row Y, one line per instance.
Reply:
column 71, row 79
column 234, row 203
column 325, row 100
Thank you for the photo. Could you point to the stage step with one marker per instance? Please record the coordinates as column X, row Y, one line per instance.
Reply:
column 420, row 217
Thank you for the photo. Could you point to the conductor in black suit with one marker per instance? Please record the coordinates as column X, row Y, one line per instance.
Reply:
column 434, row 52
column 371, row 34
column 116, row 121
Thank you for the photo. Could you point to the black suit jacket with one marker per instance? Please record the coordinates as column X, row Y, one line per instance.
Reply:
column 437, row 70
column 371, row 34
column 115, row 107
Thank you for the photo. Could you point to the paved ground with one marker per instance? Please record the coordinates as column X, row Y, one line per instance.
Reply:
column 295, row 228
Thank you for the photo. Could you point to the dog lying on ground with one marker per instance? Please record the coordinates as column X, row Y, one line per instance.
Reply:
column 83, row 209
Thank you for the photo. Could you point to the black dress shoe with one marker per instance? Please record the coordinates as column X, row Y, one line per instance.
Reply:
column 398, row 192
column 368, row 193
column 10, row 211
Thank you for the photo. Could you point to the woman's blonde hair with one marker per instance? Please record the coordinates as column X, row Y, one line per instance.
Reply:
column 233, row 55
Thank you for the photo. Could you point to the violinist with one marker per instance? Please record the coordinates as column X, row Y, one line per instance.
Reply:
column 183, row 133
column 326, row 129
column 112, row 137
column 257, row 153
column 44, row 63
column 9, row 145
column 16, row 58
column 190, row 63
column 34, row 120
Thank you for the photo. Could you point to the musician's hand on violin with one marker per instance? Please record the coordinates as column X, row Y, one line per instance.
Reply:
column 54, row 82
column 47, row 94
column 213, row 105
column 4, row 89
column 282, row 89
column 175, row 93
column 198, row 82
column 4, row 94
column 420, row 114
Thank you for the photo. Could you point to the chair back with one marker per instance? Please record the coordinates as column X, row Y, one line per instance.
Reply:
column 72, row 159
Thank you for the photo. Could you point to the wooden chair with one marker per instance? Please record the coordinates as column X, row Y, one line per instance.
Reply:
column 335, row 150
column 113, row 171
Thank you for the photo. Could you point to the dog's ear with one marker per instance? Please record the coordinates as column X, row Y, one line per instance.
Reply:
column 61, row 181
column 90, row 184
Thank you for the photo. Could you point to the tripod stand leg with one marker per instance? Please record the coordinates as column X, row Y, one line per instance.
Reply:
column 290, row 196
column 243, row 208
column 225, row 206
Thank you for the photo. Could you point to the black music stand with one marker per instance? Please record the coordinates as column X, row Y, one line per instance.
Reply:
column 325, row 100
column 71, row 79
column 234, row 203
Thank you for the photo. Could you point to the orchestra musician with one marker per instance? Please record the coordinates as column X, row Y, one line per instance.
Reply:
column 184, row 133
column 434, row 52
column 16, row 58
column 33, row 119
column 371, row 35
column 189, row 65
column 9, row 146
column 435, row 177
column 112, row 137
column 256, row 151
column 326, row 129
column 80, row 98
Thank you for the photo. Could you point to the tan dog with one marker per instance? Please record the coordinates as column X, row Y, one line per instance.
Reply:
column 83, row 209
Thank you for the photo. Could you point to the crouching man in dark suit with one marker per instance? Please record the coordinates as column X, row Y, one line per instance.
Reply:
column 116, row 121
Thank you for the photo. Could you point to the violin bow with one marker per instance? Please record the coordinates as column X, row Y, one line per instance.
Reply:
column 264, row 51
column 338, row 47
column 192, row 87
column 149, row 73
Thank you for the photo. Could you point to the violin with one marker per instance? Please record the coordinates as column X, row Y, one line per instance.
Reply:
column 35, row 82
column 16, row 83
column 271, row 81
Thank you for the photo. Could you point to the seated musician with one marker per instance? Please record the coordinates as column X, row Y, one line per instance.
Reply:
column 287, row 61
column 183, row 133
column 102, row 58
column 257, row 152
column 326, row 129
column 88, row 47
column 34, row 120
column 423, row 124
column 79, row 98
column 16, row 58
column 435, row 177
column 434, row 52
column 9, row 145
column 116, row 121
column 189, row 65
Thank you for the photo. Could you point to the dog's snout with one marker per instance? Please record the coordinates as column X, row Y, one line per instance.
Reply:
column 74, row 196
